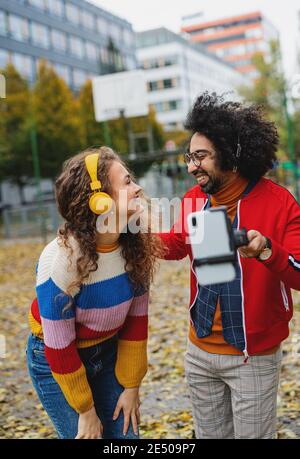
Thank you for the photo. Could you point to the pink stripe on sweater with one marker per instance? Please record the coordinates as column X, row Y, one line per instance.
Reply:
column 104, row 319
column 58, row 334
column 139, row 305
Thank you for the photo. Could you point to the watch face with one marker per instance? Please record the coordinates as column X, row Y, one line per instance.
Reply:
column 266, row 253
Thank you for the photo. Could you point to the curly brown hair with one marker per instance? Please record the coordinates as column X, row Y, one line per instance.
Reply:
column 72, row 191
column 227, row 123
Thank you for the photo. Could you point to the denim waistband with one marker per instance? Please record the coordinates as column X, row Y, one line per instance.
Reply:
column 104, row 344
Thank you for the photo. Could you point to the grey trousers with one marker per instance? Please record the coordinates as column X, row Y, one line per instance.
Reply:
column 230, row 398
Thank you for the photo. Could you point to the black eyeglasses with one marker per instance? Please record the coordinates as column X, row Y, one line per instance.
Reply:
column 196, row 157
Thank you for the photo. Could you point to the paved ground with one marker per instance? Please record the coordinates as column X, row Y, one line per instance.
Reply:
column 165, row 402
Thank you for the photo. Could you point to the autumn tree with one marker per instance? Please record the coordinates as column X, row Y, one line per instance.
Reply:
column 15, row 152
column 269, row 90
column 55, row 119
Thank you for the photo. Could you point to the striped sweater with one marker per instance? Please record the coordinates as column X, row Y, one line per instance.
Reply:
column 104, row 305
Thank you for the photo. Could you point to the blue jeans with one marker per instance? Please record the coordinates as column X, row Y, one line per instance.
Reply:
column 99, row 361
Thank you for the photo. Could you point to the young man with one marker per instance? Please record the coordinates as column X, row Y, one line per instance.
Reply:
column 233, row 357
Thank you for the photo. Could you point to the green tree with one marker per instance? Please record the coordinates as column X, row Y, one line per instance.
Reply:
column 92, row 132
column 15, row 153
column 55, row 118
column 268, row 90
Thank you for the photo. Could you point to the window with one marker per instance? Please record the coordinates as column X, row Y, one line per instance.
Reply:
column 115, row 32
column 163, row 84
column 3, row 23
column 152, row 86
column 37, row 3
column 4, row 58
column 18, row 28
column 174, row 104
column 167, row 106
column 170, row 61
column 159, row 62
column 24, row 65
column 128, row 37
column 102, row 25
column 76, row 47
column 72, row 13
column 104, row 55
column 169, row 83
column 79, row 77
column 39, row 35
column 91, row 51
column 56, row 7
column 87, row 20
column 64, row 72
column 254, row 33
column 58, row 40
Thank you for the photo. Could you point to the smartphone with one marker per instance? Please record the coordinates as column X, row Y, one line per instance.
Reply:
column 212, row 244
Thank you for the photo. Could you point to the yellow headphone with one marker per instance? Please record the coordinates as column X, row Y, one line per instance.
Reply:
column 99, row 202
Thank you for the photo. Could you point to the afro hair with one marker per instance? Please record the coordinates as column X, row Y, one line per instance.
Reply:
column 227, row 124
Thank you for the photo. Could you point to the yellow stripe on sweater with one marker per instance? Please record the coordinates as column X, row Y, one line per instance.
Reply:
column 35, row 326
column 132, row 363
column 76, row 389
column 81, row 343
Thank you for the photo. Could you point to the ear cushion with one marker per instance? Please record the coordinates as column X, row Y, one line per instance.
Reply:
column 100, row 203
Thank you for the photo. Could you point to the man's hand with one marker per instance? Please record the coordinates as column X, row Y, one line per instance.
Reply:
column 256, row 245
column 89, row 425
column 130, row 403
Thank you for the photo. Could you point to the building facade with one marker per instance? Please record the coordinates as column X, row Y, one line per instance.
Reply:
column 177, row 71
column 235, row 39
column 79, row 39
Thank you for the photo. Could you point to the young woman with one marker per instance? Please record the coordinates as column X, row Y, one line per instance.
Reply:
column 87, row 350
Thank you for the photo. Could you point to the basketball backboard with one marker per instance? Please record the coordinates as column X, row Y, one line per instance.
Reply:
column 120, row 92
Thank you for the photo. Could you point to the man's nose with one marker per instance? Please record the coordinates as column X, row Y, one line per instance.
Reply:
column 191, row 167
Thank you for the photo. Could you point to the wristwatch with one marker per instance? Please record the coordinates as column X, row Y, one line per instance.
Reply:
column 266, row 252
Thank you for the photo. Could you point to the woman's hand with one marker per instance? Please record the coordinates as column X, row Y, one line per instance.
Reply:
column 257, row 243
column 130, row 403
column 89, row 425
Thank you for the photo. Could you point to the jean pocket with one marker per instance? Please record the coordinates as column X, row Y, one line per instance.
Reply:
column 94, row 363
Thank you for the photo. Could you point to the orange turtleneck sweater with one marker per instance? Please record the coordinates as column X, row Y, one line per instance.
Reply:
column 214, row 343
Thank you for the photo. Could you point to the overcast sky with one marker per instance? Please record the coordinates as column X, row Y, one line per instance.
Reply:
column 156, row 13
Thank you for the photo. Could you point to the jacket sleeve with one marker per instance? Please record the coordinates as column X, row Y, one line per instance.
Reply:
column 285, row 258
column 175, row 240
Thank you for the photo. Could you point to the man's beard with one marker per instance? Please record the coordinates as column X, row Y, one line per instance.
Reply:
column 213, row 185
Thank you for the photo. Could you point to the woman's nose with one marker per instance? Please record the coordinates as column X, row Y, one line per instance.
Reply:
column 138, row 189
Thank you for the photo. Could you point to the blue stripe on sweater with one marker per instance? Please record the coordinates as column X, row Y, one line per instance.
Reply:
column 102, row 294
column 106, row 293
column 51, row 301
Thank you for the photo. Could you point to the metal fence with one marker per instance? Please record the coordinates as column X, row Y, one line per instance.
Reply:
column 30, row 221
column 167, row 180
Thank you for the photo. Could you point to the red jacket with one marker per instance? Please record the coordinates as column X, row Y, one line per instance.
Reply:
column 266, row 286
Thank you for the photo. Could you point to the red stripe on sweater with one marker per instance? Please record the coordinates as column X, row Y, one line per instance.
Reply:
column 35, row 310
column 65, row 360
column 83, row 332
column 135, row 328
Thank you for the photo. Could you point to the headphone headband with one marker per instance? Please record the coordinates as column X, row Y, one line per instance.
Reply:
column 91, row 162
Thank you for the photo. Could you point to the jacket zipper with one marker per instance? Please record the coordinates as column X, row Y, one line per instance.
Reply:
column 284, row 296
column 245, row 351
